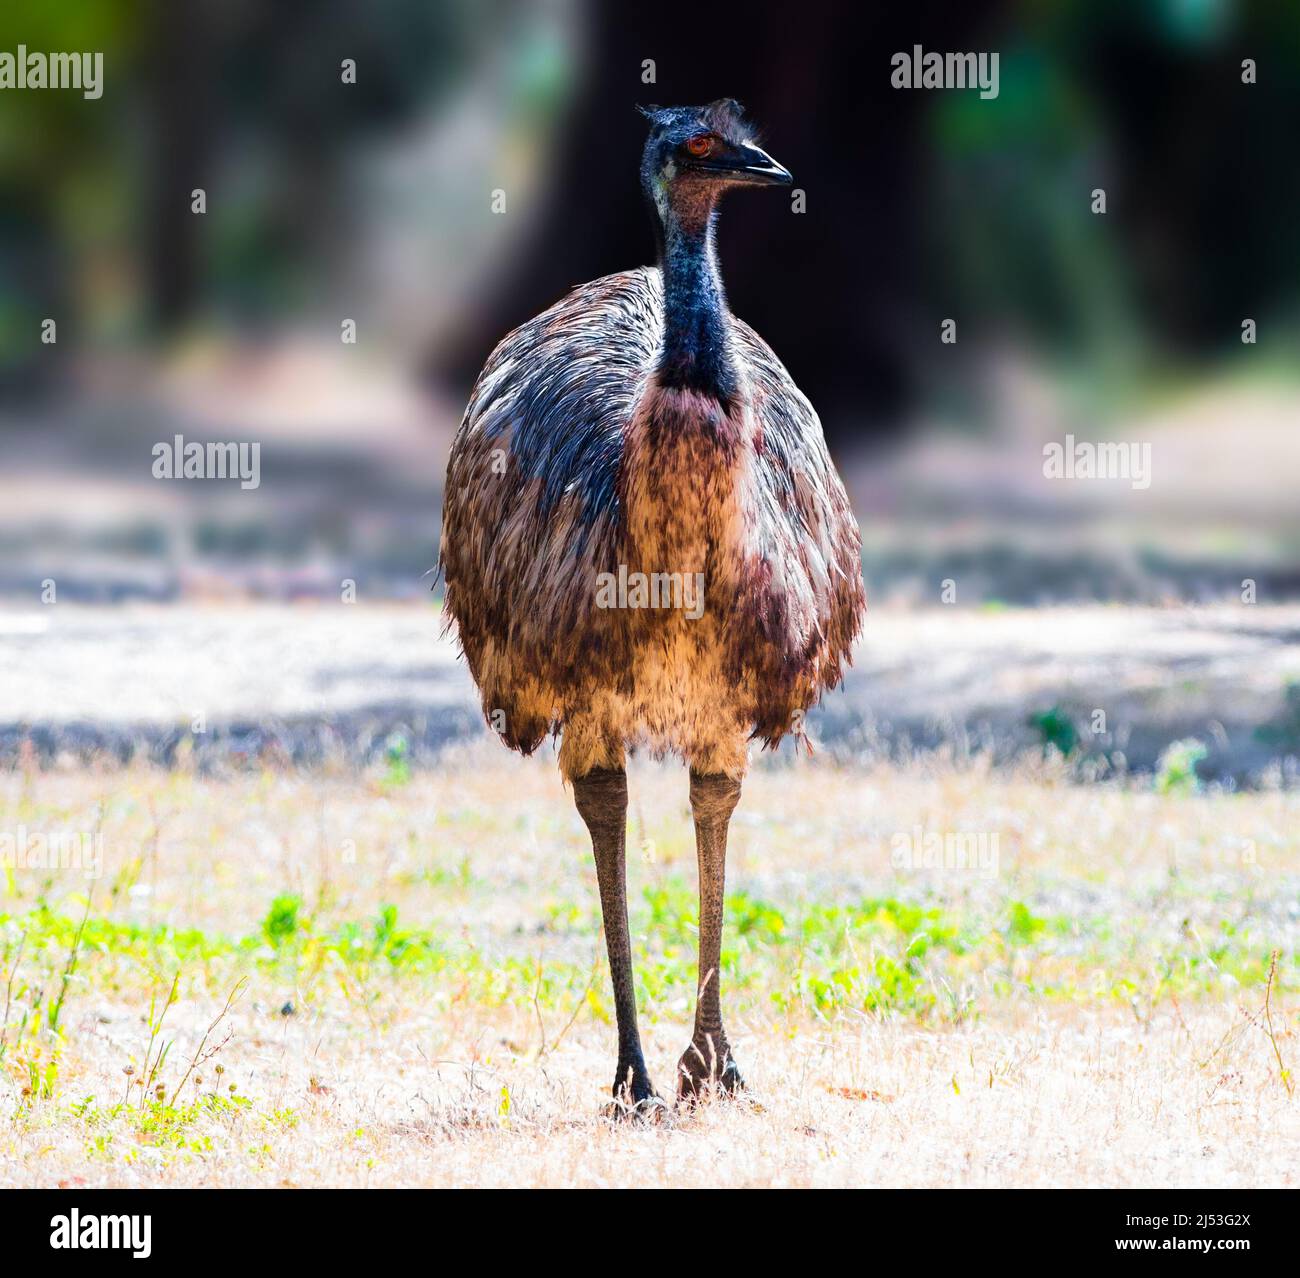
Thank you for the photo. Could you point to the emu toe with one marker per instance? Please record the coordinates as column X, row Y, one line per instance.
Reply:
column 702, row 1072
column 634, row 1097
column 627, row 1107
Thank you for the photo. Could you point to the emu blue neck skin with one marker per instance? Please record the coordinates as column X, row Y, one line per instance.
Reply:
column 695, row 350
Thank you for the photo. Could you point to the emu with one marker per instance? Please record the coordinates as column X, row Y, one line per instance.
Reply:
column 638, row 427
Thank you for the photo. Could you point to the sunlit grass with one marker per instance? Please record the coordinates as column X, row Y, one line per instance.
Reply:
column 300, row 978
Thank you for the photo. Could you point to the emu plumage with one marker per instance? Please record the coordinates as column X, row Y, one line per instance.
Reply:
column 573, row 459
column 638, row 427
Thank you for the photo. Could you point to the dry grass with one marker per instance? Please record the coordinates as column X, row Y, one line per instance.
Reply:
column 1091, row 1013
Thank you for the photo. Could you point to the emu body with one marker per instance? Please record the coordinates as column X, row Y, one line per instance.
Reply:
column 638, row 427
column 583, row 463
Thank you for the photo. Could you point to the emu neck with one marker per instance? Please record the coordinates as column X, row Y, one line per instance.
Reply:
column 695, row 350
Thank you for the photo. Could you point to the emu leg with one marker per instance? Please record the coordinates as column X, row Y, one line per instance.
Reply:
column 708, row 1062
column 601, row 797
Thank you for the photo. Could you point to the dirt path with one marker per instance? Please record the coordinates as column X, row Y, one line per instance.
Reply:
column 314, row 680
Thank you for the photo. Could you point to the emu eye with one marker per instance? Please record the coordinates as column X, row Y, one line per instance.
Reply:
column 701, row 144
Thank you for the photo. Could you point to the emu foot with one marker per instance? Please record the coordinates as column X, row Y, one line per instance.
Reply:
column 634, row 1097
column 706, row 1069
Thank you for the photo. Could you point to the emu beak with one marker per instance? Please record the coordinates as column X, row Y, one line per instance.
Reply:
column 760, row 168
column 746, row 163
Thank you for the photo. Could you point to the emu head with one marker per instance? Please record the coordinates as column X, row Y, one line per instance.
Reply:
column 694, row 153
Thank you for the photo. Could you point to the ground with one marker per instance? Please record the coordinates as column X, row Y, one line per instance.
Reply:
column 935, row 972
column 335, row 680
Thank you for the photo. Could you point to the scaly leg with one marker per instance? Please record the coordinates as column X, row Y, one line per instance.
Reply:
column 601, row 797
column 708, row 1060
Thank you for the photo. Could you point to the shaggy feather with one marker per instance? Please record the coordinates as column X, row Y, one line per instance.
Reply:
column 637, row 424
column 563, row 425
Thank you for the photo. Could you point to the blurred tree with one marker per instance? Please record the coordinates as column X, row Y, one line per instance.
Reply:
column 920, row 204
column 831, row 290
column 923, row 205
column 64, row 165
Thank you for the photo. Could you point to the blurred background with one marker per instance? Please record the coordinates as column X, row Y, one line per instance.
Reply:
column 371, row 201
